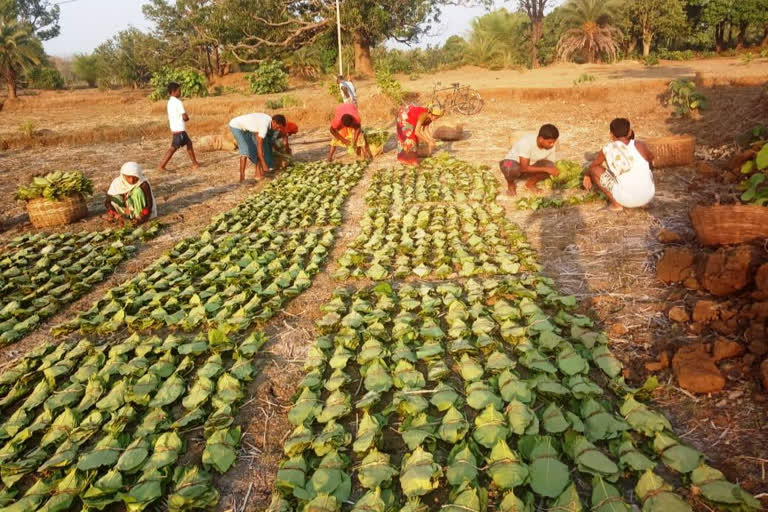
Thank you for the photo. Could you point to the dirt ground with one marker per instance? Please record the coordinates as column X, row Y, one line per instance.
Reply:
column 606, row 259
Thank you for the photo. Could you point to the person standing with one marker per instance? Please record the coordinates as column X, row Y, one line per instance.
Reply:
column 347, row 130
column 534, row 156
column 348, row 92
column 254, row 134
column 177, row 119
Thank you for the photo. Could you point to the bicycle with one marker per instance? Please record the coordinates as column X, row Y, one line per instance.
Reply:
column 461, row 98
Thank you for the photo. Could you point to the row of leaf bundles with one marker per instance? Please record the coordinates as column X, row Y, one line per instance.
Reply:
column 437, row 179
column 448, row 241
column 100, row 424
column 309, row 195
column 40, row 273
column 529, row 406
column 230, row 281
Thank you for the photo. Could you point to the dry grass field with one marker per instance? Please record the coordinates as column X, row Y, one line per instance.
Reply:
column 607, row 260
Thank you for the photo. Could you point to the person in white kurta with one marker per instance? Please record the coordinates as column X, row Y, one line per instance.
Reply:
column 622, row 169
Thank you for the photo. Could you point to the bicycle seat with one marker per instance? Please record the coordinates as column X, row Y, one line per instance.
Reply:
column 455, row 84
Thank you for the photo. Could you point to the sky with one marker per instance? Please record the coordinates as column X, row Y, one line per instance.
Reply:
column 85, row 24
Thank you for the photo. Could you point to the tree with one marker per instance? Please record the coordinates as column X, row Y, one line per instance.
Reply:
column 498, row 39
column 130, row 58
column 654, row 18
column 592, row 33
column 723, row 16
column 42, row 15
column 288, row 25
column 86, row 68
column 535, row 11
column 19, row 51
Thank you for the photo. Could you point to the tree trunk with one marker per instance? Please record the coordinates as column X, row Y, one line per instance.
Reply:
column 647, row 40
column 535, row 37
column 363, row 62
column 10, row 79
column 765, row 36
column 631, row 46
column 217, row 57
column 719, row 37
column 209, row 69
column 742, row 35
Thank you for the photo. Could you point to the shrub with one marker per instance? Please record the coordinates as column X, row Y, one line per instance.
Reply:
column 86, row 68
column 45, row 78
column 584, row 78
column 651, row 60
column 192, row 82
column 677, row 55
column 333, row 89
column 284, row 101
column 268, row 78
column 55, row 186
column 28, row 129
column 389, row 86
column 685, row 98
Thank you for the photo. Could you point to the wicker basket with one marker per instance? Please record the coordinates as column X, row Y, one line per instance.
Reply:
column 44, row 213
column 422, row 150
column 449, row 133
column 729, row 224
column 673, row 151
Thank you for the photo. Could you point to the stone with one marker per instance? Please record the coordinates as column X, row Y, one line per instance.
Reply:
column 691, row 283
column 761, row 282
column 676, row 265
column 759, row 311
column 666, row 236
column 764, row 374
column 705, row 311
column 758, row 347
column 726, row 349
column 727, row 271
column 661, row 364
column 618, row 329
column 696, row 371
column 748, row 360
column 705, row 169
column 678, row 314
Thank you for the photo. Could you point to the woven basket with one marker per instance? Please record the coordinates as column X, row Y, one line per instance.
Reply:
column 449, row 133
column 673, row 151
column 44, row 213
column 422, row 150
column 729, row 224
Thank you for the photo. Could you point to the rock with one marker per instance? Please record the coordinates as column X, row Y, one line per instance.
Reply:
column 691, row 283
column 748, row 360
column 666, row 236
column 697, row 328
column 755, row 331
column 761, row 282
column 676, row 265
column 758, row 347
column 705, row 311
column 727, row 271
column 678, row 314
column 726, row 349
column 725, row 328
column 661, row 364
column 764, row 373
column 618, row 329
column 696, row 371
column 705, row 169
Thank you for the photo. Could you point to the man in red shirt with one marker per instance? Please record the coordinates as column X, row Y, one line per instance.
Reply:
column 347, row 130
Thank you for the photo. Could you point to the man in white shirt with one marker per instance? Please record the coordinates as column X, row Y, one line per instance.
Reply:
column 177, row 119
column 253, row 133
column 533, row 155
column 348, row 92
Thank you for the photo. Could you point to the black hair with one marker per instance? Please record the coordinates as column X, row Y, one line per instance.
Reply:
column 172, row 87
column 279, row 119
column 620, row 127
column 347, row 120
column 549, row 132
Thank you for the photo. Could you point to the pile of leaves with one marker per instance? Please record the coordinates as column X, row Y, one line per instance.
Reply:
column 229, row 281
column 55, row 186
column 89, row 424
column 492, row 393
column 541, row 202
column 756, row 167
column 570, row 176
column 440, row 178
column 436, row 240
column 376, row 140
column 306, row 195
column 40, row 273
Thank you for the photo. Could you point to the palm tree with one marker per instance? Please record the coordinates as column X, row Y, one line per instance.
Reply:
column 591, row 32
column 19, row 50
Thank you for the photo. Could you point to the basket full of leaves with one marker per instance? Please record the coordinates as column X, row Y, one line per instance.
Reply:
column 56, row 198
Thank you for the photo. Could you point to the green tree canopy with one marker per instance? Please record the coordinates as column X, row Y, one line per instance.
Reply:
column 592, row 33
column 20, row 49
column 42, row 15
column 649, row 19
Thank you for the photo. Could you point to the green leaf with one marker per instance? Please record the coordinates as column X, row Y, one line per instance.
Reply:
column 607, row 498
column 490, row 427
column 548, row 476
column 505, row 467
column 462, row 465
column 105, row 453
column 453, row 426
column 221, row 449
column 675, row 455
column 419, row 474
column 658, row 496
column 375, row 470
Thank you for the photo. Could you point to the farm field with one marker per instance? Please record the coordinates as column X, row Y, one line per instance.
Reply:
column 607, row 262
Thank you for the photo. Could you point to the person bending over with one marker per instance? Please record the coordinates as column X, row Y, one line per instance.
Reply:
column 254, row 134
column 532, row 157
column 622, row 170
column 347, row 131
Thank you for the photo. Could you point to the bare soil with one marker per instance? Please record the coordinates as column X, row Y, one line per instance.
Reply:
column 607, row 260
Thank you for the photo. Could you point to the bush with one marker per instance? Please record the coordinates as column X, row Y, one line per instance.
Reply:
column 28, row 129
column 389, row 86
column 86, row 68
column 268, row 78
column 584, row 78
column 285, row 101
column 677, row 55
column 685, row 98
column 333, row 89
column 45, row 78
column 651, row 60
column 193, row 84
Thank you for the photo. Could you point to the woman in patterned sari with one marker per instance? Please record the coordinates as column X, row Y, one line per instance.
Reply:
column 413, row 124
column 130, row 197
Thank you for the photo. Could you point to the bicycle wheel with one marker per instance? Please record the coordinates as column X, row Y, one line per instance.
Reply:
column 470, row 104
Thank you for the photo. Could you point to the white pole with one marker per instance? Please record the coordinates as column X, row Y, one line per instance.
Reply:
column 338, row 35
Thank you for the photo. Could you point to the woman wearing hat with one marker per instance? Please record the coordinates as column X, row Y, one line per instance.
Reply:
column 412, row 127
column 130, row 196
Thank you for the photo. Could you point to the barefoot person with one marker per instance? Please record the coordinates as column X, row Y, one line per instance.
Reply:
column 130, row 197
column 177, row 119
column 413, row 123
column 254, row 134
column 626, row 179
column 347, row 130
column 532, row 157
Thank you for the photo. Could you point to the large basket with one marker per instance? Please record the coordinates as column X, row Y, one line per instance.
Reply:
column 449, row 133
column 729, row 224
column 45, row 213
column 673, row 151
